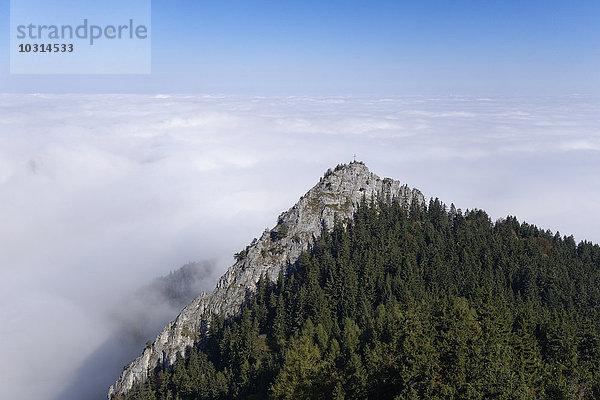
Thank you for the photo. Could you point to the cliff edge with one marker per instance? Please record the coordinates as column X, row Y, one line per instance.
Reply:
column 339, row 192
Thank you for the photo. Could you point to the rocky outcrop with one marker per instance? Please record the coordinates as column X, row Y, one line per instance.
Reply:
column 339, row 192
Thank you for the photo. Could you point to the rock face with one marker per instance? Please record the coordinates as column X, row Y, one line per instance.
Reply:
column 339, row 191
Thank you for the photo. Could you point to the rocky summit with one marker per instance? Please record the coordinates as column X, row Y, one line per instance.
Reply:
column 339, row 192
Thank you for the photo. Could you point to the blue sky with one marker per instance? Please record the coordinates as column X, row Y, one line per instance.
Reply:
column 354, row 47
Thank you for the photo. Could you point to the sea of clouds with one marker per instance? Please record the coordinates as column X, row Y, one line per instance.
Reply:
column 101, row 194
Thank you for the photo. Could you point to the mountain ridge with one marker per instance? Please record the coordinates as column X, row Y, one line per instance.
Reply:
column 337, row 195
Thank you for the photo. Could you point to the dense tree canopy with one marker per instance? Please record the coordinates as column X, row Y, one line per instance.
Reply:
column 417, row 302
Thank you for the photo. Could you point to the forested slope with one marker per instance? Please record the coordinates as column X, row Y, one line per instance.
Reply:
column 418, row 303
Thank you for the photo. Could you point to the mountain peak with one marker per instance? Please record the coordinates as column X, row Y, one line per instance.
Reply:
column 357, row 166
column 339, row 192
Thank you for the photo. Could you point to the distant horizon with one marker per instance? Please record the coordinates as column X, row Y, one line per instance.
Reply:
column 381, row 96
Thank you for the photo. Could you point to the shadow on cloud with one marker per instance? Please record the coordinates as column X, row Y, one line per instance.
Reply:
column 138, row 318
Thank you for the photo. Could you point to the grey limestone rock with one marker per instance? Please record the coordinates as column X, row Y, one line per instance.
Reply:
column 339, row 192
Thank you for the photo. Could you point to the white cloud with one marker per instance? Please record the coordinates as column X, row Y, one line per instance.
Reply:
column 101, row 193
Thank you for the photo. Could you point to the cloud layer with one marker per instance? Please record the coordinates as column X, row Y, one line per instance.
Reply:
column 99, row 194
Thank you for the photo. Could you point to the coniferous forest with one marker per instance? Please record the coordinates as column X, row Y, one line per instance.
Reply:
column 410, row 302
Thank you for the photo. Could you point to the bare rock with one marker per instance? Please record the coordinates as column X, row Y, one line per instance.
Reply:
column 339, row 192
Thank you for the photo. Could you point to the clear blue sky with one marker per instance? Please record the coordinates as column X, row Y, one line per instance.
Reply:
column 354, row 47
